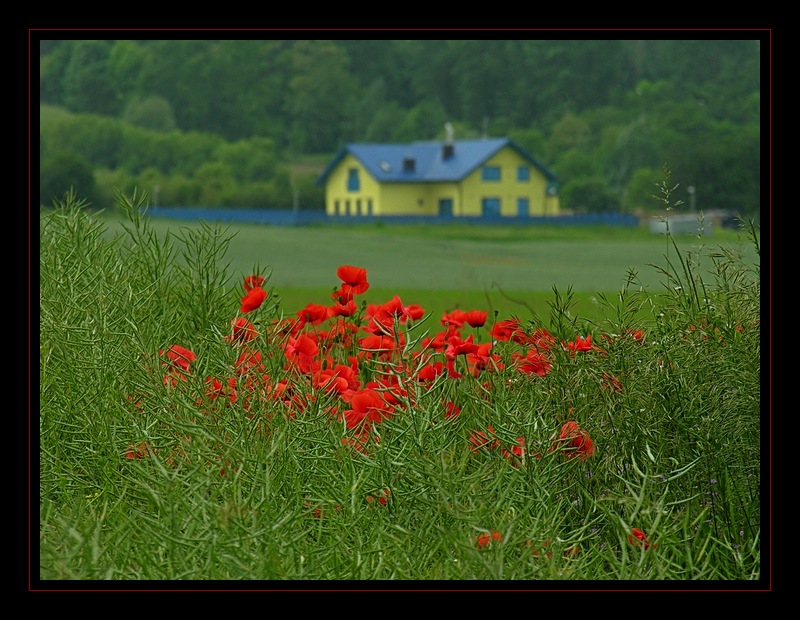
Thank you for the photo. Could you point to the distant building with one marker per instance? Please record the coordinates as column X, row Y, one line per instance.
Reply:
column 489, row 177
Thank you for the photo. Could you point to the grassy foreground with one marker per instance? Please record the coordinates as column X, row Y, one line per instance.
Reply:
column 187, row 433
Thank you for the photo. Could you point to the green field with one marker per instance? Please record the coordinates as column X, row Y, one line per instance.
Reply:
column 172, row 449
column 513, row 270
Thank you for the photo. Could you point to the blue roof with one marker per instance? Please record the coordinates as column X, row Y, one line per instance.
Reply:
column 385, row 162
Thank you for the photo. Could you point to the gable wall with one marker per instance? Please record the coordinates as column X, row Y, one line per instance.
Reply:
column 340, row 201
column 508, row 189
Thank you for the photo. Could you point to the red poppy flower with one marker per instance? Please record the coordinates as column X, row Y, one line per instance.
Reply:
column 510, row 329
column 637, row 334
column 580, row 344
column 178, row 364
column 248, row 361
column 457, row 346
column 541, row 339
column 515, row 453
column 451, row 409
column 639, row 539
column 480, row 359
column 393, row 394
column 179, row 356
column 367, row 405
column 478, row 440
column 346, row 309
column 451, row 369
column 313, row 313
column 301, row 352
column 395, row 307
column 437, row 343
column 483, row 540
column 454, row 318
column 337, row 378
column 137, row 452
column 360, row 440
column 216, row 388
column 476, row 318
column 381, row 320
column 574, row 441
column 533, row 363
column 382, row 497
column 251, row 282
column 253, row 299
column 242, row 330
column 429, row 372
column 354, row 280
column 380, row 346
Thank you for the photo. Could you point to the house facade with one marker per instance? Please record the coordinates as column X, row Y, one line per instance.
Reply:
column 485, row 177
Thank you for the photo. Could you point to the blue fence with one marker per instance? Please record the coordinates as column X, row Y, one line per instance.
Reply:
column 285, row 217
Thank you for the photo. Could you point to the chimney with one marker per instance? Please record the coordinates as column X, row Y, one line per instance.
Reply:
column 448, row 149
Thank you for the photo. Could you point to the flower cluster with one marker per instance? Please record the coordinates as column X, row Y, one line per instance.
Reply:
column 309, row 343
column 484, row 540
column 354, row 363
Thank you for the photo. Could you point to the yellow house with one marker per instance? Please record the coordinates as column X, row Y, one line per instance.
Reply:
column 488, row 177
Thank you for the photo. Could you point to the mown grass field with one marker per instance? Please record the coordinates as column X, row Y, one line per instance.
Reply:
column 512, row 269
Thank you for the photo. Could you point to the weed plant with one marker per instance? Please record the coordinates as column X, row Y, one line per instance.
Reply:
column 190, row 429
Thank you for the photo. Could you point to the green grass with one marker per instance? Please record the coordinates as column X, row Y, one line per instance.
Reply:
column 539, row 232
column 509, row 269
column 586, row 308
column 145, row 476
column 484, row 260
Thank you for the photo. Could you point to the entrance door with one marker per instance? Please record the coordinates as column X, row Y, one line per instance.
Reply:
column 446, row 207
column 491, row 207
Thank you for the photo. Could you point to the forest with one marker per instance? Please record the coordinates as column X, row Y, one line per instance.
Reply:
column 251, row 123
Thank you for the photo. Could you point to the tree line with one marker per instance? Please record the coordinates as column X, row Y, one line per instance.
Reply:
column 218, row 122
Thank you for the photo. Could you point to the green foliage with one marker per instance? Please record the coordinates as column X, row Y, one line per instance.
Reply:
column 249, row 160
column 613, row 107
column 63, row 172
column 319, row 87
column 639, row 192
column 244, row 173
column 383, row 123
column 110, row 183
column 569, row 133
column 309, row 193
column 175, row 152
column 217, row 182
column 422, row 122
column 88, row 87
column 97, row 139
column 146, row 479
column 575, row 165
column 589, row 195
column 153, row 113
column 531, row 139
